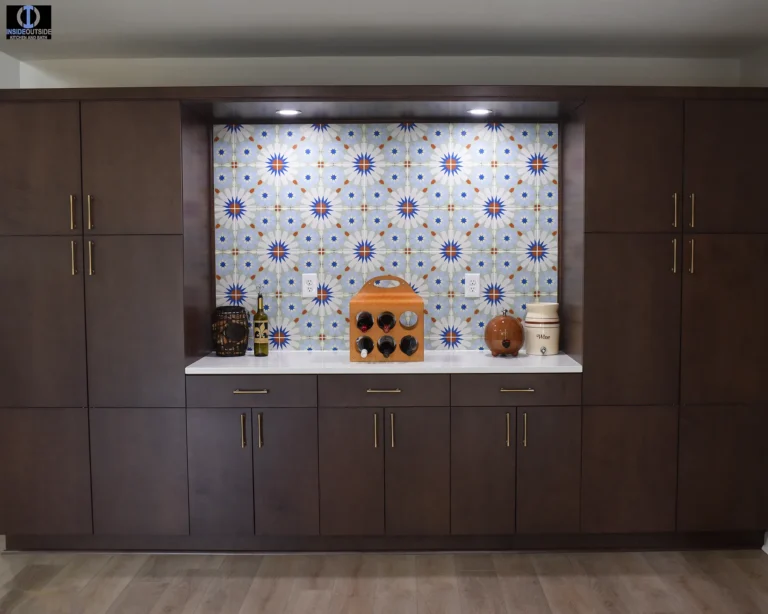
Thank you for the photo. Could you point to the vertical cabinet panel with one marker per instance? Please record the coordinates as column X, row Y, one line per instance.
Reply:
column 135, row 309
column 42, row 323
column 285, row 471
column 45, row 485
column 40, row 168
column 724, row 323
column 723, row 468
column 629, row 469
column 220, row 472
column 417, row 470
column 132, row 167
column 725, row 168
column 483, row 470
column 632, row 293
column 634, row 159
column 351, row 471
column 139, row 467
column 548, row 469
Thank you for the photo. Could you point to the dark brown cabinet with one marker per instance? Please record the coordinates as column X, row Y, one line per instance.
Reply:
column 725, row 290
column 285, row 471
column 417, row 470
column 725, row 168
column 723, row 468
column 351, row 454
column 219, row 449
column 135, row 308
column 132, row 167
column 548, row 469
column 40, row 168
column 139, row 471
column 632, row 292
column 45, row 485
column 42, row 323
column 634, row 164
column 483, row 470
column 629, row 469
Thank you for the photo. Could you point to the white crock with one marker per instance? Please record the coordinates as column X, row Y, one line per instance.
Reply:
column 542, row 329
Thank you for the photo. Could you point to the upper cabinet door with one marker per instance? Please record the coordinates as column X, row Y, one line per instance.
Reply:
column 725, row 291
column 132, row 167
column 634, row 166
column 134, row 302
column 40, row 168
column 725, row 162
column 42, row 323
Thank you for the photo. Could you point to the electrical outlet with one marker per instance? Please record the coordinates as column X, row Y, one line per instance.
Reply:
column 309, row 285
column 472, row 285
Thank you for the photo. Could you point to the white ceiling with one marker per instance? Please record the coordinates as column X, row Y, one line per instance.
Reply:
column 229, row 28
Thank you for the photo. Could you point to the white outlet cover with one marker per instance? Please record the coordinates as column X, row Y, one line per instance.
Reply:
column 309, row 285
column 472, row 285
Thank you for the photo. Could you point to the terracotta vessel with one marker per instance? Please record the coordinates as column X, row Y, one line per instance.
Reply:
column 504, row 335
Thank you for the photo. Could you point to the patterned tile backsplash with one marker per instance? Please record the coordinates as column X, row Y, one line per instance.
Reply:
column 426, row 202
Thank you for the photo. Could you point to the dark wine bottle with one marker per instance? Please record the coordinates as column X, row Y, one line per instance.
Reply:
column 408, row 345
column 386, row 345
column 364, row 321
column 364, row 345
column 386, row 321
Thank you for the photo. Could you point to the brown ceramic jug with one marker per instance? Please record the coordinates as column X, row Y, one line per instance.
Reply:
column 504, row 335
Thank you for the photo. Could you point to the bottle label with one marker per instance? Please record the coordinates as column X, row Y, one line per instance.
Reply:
column 261, row 331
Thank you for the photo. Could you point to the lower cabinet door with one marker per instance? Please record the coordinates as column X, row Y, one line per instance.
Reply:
column 483, row 470
column 219, row 448
column 285, row 471
column 417, row 470
column 45, row 485
column 629, row 469
column 548, row 469
column 723, row 468
column 351, row 470
column 139, row 469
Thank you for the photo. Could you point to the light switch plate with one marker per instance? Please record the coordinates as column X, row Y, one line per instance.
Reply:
column 309, row 285
column 472, row 285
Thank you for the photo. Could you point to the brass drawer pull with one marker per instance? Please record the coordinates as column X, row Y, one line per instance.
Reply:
column 91, row 270
column 693, row 210
column 674, row 222
column 693, row 254
column 375, row 430
column 263, row 391
column 376, row 391
column 525, row 430
column 508, row 441
column 90, row 217
column 517, row 390
column 259, row 419
column 674, row 255
column 73, row 250
column 392, row 429
column 243, row 440
column 72, row 222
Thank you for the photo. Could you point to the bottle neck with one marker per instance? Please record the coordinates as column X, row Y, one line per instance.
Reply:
column 261, row 303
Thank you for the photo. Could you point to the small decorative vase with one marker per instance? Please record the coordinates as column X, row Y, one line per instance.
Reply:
column 504, row 335
column 542, row 329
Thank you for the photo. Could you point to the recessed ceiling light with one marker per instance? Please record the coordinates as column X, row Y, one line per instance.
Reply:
column 289, row 112
column 479, row 111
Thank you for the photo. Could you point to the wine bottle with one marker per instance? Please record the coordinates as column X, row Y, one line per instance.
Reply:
column 386, row 345
column 408, row 345
column 364, row 345
column 386, row 321
column 260, row 330
column 364, row 321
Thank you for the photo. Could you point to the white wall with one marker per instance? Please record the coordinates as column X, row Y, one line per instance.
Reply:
column 380, row 70
column 9, row 72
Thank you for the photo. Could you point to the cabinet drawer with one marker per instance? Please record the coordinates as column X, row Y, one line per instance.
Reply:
column 396, row 390
column 516, row 389
column 251, row 391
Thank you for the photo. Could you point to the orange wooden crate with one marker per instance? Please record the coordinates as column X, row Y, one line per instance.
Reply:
column 396, row 300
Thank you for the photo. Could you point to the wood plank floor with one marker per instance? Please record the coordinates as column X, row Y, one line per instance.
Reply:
column 584, row 583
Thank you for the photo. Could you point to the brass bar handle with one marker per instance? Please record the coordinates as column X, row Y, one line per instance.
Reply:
column 693, row 255
column 378, row 391
column 243, row 440
column 693, row 210
column 72, row 222
column 525, row 430
column 375, row 430
column 392, row 430
column 674, row 256
column 90, row 215
column 73, row 250
column 674, row 222
column 260, row 419
column 517, row 390
column 262, row 391
column 91, row 270
column 508, row 420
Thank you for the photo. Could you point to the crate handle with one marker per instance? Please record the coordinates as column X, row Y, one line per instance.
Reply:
column 373, row 280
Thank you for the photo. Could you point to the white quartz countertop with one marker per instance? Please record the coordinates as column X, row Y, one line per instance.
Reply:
column 319, row 363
